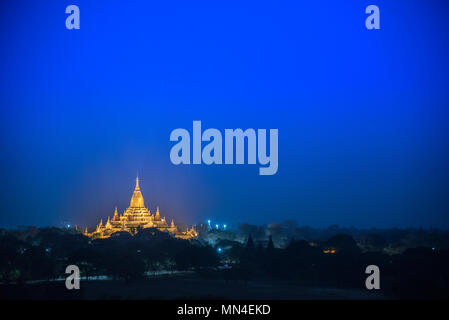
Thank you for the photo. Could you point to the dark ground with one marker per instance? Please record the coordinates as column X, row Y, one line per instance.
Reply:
column 183, row 287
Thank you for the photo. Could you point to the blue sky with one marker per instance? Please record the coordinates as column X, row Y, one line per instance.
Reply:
column 362, row 115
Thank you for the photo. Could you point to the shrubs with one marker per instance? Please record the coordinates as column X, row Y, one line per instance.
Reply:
column 45, row 256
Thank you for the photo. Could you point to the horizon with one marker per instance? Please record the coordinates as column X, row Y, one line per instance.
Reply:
column 234, row 226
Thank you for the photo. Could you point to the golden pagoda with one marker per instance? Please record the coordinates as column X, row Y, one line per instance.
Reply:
column 136, row 217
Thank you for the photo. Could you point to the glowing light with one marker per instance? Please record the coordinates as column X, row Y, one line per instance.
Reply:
column 219, row 250
column 138, row 214
column 224, row 226
column 216, row 226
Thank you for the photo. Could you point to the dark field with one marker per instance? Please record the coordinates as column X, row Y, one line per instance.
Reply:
column 181, row 287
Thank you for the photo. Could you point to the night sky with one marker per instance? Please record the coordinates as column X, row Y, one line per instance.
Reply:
column 362, row 115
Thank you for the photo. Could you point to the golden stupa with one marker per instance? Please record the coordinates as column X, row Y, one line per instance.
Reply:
column 136, row 217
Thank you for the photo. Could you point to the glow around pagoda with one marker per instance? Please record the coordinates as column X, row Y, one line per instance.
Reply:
column 137, row 217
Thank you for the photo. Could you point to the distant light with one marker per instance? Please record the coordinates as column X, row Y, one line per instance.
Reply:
column 219, row 250
column 68, row 226
column 216, row 226
column 433, row 248
column 224, row 226
column 208, row 221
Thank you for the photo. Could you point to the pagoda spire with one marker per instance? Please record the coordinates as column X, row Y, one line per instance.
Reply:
column 115, row 217
column 158, row 215
column 100, row 226
column 108, row 224
column 137, row 183
column 137, row 198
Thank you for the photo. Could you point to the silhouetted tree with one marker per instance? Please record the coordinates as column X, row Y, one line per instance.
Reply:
column 270, row 245
column 343, row 244
column 250, row 242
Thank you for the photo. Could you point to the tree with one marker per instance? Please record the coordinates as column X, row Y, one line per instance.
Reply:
column 270, row 245
column 250, row 242
column 343, row 244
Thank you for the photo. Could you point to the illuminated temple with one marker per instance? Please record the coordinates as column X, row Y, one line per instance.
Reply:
column 137, row 217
